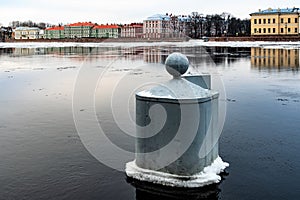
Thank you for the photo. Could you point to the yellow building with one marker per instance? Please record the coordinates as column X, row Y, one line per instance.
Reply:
column 275, row 22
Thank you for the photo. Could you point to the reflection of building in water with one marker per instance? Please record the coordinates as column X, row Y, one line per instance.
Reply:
column 155, row 55
column 274, row 58
column 27, row 51
column 6, row 50
column 198, row 56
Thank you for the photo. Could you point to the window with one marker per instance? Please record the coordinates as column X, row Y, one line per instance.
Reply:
column 259, row 21
column 274, row 20
column 269, row 30
column 296, row 30
column 264, row 21
column 296, row 20
column 281, row 30
column 264, row 30
column 255, row 21
column 259, row 30
column 269, row 21
column 289, row 30
column 289, row 20
column 274, row 30
column 281, row 20
column 255, row 30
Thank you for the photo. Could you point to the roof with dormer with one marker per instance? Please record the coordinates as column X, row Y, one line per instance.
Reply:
column 277, row 11
column 158, row 17
column 27, row 28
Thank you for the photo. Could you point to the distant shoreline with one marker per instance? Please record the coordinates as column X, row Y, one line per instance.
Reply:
column 294, row 38
column 103, row 40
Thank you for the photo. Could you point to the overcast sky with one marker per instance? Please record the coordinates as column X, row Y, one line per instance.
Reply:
column 125, row 11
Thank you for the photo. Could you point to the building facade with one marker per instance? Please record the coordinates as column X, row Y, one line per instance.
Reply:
column 134, row 30
column 157, row 26
column 57, row 32
column 79, row 30
column 275, row 22
column 27, row 33
column 106, row 31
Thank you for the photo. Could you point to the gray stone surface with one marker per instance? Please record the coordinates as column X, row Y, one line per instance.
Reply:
column 190, row 123
column 177, row 64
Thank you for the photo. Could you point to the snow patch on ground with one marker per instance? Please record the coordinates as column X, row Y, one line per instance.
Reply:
column 209, row 175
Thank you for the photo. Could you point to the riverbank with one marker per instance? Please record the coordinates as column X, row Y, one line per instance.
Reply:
column 106, row 40
column 293, row 38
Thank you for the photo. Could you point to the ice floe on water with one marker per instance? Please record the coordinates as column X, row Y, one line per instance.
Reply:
column 191, row 43
column 209, row 175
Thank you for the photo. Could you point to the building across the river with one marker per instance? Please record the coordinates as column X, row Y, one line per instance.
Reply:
column 275, row 22
column 106, row 31
column 157, row 26
column 56, row 32
column 25, row 33
column 133, row 30
column 79, row 30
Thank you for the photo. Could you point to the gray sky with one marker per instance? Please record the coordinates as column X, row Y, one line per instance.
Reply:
column 125, row 11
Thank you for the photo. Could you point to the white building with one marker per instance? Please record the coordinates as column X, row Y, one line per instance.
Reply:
column 156, row 26
column 25, row 33
column 133, row 30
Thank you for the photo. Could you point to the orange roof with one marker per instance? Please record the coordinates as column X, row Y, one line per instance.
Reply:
column 82, row 24
column 105, row 26
column 55, row 28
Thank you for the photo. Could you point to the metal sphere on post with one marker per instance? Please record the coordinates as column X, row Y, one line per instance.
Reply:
column 177, row 64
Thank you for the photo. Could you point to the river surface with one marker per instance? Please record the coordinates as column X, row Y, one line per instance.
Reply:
column 42, row 155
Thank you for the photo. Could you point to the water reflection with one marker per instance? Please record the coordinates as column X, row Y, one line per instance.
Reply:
column 145, row 191
column 6, row 51
column 198, row 56
column 149, row 191
column 227, row 54
column 275, row 58
column 155, row 55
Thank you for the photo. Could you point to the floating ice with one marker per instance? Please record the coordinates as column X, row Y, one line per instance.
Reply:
column 191, row 43
column 209, row 175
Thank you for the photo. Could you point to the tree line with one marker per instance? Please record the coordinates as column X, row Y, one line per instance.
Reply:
column 29, row 23
column 216, row 25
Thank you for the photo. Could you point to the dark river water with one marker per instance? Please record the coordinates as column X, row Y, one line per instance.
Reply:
column 43, row 157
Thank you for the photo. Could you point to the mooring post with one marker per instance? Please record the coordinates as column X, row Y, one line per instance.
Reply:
column 176, row 142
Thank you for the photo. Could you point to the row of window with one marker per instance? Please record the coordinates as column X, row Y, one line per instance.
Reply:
column 273, row 30
column 273, row 20
column 151, row 25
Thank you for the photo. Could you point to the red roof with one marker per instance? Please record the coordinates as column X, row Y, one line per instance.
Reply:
column 105, row 26
column 55, row 28
column 82, row 24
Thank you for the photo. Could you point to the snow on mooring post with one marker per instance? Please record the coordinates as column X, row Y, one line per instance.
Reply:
column 176, row 141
